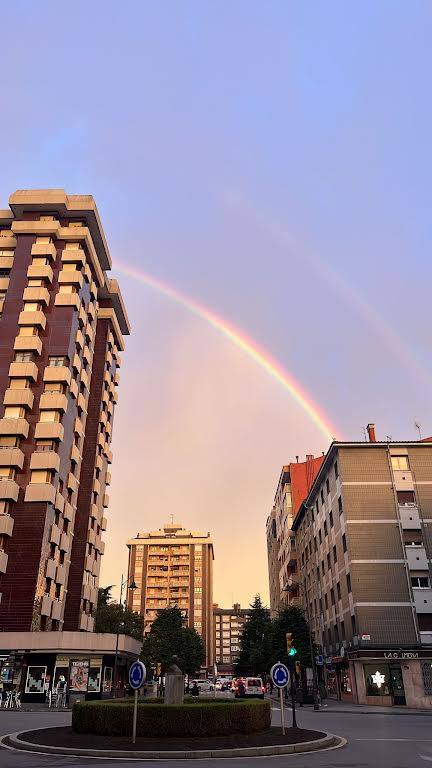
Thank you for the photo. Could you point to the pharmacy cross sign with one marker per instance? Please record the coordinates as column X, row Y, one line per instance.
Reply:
column 378, row 678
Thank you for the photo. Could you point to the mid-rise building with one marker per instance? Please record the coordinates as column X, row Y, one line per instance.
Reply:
column 62, row 322
column 294, row 483
column 364, row 547
column 228, row 626
column 174, row 566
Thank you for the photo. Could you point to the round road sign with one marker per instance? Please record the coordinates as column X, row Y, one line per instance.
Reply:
column 137, row 675
column 280, row 675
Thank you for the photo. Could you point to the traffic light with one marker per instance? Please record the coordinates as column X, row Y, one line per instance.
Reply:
column 291, row 651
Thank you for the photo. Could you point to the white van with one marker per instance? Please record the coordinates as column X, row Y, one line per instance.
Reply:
column 254, row 687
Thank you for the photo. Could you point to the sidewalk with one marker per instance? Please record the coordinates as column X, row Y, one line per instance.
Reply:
column 330, row 706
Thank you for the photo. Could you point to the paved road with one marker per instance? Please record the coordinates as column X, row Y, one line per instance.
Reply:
column 383, row 740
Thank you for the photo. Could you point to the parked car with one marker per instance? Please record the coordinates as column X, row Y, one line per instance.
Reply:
column 204, row 685
column 250, row 686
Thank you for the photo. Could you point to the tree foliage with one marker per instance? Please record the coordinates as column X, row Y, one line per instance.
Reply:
column 112, row 617
column 263, row 640
column 168, row 637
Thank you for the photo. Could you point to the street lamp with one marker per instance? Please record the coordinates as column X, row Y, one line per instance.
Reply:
column 131, row 586
column 290, row 588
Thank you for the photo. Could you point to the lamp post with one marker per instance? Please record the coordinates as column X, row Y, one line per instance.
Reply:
column 289, row 588
column 131, row 586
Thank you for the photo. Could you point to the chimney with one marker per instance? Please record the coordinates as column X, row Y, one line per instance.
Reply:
column 371, row 432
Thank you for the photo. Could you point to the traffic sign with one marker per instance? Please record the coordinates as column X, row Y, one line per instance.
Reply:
column 280, row 675
column 137, row 675
column 319, row 660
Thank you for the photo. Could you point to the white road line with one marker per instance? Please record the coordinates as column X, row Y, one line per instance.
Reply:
column 425, row 757
column 414, row 740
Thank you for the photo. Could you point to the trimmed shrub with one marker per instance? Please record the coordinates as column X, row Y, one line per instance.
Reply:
column 219, row 718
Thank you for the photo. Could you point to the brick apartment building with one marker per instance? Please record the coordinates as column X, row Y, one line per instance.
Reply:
column 62, row 322
column 293, row 486
column 174, row 566
column 364, row 546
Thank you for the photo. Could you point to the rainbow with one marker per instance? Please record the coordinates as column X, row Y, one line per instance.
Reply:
column 242, row 341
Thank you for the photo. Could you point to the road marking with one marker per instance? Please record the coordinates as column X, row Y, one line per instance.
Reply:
column 425, row 757
column 414, row 740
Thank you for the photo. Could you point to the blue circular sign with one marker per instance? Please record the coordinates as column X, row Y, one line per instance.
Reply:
column 280, row 675
column 137, row 675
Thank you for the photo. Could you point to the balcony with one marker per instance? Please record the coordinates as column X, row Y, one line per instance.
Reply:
column 79, row 339
column 49, row 430
column 67, row 300
column 69, row 512
column 46, row 606
column 3, row 561
column 84, row 624
column 6, row 525
column 35, row 227
column 28, row 344
column 423, row 600
column 57, row 610
column 11, row 457
column 53, row 401
column 72, row 482
column 403, row 480
column 78, row 427
column 32, row 318
column 44, row 492
column 51, row 568
column 108, row 478
column 81, row 403
column 55, row 534
column 76, row 363
column 65, row 542
column 116, row 379
column 9, row 489
column 60, row 576
column 57, row 373
column 7, row 241
column 40, row 271
column 21, row 370
column 96, row 568
column 44, row 249
column 416, row 557
column 73, row 389
column 24, row 397
column 105, row 500
column 18, row 427
column 96, row 486
column 409, row 517
column 45, row 460
column 70, row 278
column 38, row 294
column 6, row 262
column 103, row 524
column 85, row 378
column 75, row 454
column 73, row 255
column 4, row 283
column 59, row 502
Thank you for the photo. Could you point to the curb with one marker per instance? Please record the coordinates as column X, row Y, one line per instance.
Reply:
column 330, row 741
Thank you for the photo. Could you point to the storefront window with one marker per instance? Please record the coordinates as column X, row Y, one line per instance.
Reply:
column 377, row 677
column 107, row 679
column 345, row 681
column 35, row 682
column 94, row 679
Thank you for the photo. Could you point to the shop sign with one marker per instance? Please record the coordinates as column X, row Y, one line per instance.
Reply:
column 390, row 655
column 402, row 655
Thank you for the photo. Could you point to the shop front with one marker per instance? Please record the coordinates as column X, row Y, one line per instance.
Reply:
column 339, row 683
column 392, row 677
column 84, row 661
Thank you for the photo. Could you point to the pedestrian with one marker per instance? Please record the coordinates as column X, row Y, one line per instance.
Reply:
column 271, row 686
column 194, row 689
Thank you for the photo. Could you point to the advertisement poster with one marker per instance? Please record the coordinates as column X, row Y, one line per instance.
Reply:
column 78, row 675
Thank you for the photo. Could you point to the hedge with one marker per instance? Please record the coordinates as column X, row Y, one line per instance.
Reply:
column 190, row 719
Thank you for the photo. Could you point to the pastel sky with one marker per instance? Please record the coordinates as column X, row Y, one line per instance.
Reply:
column 271, row 160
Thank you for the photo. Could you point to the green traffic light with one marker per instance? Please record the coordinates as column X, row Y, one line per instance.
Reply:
column 292, row 651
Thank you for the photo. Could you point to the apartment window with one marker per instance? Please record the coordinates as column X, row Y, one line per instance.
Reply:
column 57, row 360
column 8, row 472
column 353, row 624
column 23, row 357
column 331, row 518
column 19, row 384
column 342, row 626
column 44, row 445
column 320, row 536
column 399, row 462
column 328, row 561
column 31, row 306
column 73, row 246
column 71, row 266
column 348, row 581
column 336, row 469
column 44, row 239
column 35, row 282
column 328, row 486
column 344, row 544
column 326, row 600
column 325, row 528
column 340, row 509
column 420, row 582
column 39, row 261
column 14, row 412
column 40, row 476
column 9, row 441
column 322, row 568
column 54, row 386
column 332, row 596
column 334, row 554
column 28, row 330
column 338, row 590
column 2, row 298
column 50, row 416
column 406, row 498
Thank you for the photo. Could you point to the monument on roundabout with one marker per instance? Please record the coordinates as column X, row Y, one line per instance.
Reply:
column 174, row 683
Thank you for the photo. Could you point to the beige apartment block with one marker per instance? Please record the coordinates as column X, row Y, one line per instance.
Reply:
column 174, row 566
column 228, row 627
column 364, row 547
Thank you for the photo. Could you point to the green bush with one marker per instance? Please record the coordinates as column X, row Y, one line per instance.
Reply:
column 113, row 718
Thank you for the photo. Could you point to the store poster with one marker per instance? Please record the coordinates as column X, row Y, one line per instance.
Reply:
column 78, row 675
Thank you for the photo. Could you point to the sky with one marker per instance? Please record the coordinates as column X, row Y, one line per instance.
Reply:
column 271, row 161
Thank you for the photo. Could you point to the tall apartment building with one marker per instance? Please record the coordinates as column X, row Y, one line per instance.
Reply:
column 364, row 544
column 294, row 483
column 228, row 626
column 174, row 566
column 61, row 331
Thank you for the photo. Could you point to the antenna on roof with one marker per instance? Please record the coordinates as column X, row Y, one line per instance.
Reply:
column 418, row 428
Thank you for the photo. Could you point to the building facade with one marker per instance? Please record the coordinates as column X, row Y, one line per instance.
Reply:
column 228, row 626
column 364, row 544
column 61, row 332
column 174, row 566
column 293, row 486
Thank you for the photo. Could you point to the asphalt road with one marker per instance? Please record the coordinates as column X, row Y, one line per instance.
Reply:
column 374, row 741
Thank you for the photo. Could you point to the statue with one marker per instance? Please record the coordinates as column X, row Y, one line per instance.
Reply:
column 174, row 683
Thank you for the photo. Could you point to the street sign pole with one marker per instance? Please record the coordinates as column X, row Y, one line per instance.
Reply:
column 292, row 678
column 282, row 711
column 135, row 716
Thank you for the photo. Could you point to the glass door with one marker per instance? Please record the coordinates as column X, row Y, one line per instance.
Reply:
column 397, row 686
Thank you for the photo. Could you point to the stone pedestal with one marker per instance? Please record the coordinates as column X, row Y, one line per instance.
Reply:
column 174, row 685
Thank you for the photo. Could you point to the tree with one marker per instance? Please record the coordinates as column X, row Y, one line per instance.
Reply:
column 112, row 617
column 255, row 655
column 168, row 637
column 292, row 619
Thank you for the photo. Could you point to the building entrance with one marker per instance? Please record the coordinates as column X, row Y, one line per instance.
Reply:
column 397, row 686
